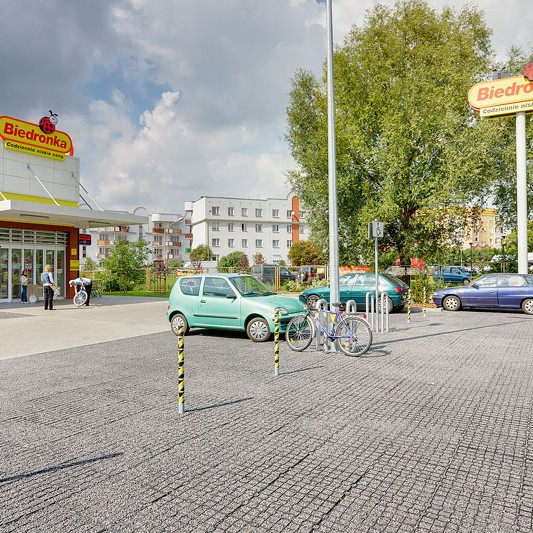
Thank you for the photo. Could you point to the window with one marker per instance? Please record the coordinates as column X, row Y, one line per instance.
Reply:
column 244, row 227
column 215, row 226
column 259, row 228
column 259, row 243
column 289, row 213
column 217, row 287
column 302, row 230
column 231, row 243
column 275, row 213
column 215, row 243
column 230, row 226
column 289, row 228
column 275, row 244
column 190, row 286
column 275, row 228
column 215, row 210
column 244, row 211
column 244, row 243
column 258, row 213
column 231, row 211
column 289, row 244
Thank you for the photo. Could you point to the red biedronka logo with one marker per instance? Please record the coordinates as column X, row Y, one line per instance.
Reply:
column 42, row 139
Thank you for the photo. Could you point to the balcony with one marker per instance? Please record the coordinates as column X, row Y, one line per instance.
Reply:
column 188, row 236
column 188, row 221
column 104, row 243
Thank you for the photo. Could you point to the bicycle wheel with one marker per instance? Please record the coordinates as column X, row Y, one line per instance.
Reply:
column 300, row 332
column 80, row 298
column 353, row 335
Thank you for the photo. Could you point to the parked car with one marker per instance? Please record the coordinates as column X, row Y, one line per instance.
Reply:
column 267, row 273
column 453, row 274
column 307, row 273
column 355, row 286
column 500, row 291
column 229, row 301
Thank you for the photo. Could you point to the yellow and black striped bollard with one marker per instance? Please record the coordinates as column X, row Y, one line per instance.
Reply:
column 181, row 369
column 409, row 306
column 276, row 342
column 424, row 303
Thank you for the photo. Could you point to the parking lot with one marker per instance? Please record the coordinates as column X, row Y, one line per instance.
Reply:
column 428, row 431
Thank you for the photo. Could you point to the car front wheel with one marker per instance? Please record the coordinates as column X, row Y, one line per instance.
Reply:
column 177, row 321
column 466, row 281
column 451, row 303
column 527, row 306
column 258, row 330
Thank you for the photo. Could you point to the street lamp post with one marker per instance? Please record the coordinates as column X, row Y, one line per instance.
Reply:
column 503, row 253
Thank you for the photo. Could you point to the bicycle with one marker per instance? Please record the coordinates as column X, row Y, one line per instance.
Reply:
column 351, row 333
column 80, row 297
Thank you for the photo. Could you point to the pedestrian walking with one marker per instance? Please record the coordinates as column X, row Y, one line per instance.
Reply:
column 49, row 285
column 24, row 282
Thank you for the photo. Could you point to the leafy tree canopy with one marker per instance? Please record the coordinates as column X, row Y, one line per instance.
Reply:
column 201, row 253
column 306, row 253
column 234, row 260
column 410, row 151
column 124, row 267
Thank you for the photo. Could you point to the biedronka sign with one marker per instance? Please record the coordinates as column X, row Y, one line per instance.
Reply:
column 37, row 139
column 505, row 96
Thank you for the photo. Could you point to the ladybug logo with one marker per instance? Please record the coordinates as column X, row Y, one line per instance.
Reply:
column 48, row 124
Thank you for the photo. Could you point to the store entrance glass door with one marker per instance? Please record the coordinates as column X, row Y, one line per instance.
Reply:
column 4, row 273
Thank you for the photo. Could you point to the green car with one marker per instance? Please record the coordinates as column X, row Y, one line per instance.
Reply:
column 229, row 301
column 355, row 286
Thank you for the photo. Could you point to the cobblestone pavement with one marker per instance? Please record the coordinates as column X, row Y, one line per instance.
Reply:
column 429, row 431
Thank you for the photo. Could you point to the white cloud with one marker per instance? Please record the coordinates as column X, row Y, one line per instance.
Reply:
column 167, row 101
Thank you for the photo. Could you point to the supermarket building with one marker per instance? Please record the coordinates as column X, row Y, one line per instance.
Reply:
column 40, row 213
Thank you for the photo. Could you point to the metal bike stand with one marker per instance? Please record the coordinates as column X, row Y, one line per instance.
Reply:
column 320, row 305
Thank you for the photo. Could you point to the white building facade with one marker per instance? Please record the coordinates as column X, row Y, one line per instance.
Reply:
column 266, row 226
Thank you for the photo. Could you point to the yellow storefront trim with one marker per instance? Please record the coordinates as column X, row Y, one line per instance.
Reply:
column 38, row 199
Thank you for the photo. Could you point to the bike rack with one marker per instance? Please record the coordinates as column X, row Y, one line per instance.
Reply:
column 377, row 315
column 321, row 305
column 351, row 306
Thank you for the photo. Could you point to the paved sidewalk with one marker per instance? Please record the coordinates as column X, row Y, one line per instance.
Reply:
column 29, row 329
column 430, row 431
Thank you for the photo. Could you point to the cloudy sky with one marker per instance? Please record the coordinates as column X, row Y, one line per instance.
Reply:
column 170, row 100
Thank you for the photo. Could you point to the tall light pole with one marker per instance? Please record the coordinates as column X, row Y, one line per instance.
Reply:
column 334, row 293
column 503, row 253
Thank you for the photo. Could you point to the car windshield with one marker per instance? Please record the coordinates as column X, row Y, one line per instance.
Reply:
column 250, row 286
column 346, row 280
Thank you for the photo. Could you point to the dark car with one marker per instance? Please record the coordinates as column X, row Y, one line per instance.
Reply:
column 500, row 291
column 267, row 273
column 355, row 286
column 309, row 272
column 453, row 274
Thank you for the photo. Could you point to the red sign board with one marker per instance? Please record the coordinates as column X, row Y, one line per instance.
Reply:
column 85, row 239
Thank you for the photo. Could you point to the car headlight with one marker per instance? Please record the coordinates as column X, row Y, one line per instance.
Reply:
column 281, row 310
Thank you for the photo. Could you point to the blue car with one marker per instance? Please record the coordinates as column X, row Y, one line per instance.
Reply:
column 453, row 274
column 500, row 291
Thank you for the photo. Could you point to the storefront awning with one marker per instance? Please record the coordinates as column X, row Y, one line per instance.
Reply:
column 19, row 211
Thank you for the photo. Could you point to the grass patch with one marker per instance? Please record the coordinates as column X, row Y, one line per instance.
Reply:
column 150, row 294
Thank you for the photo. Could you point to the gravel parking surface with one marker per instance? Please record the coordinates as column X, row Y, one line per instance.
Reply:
column 429, row 431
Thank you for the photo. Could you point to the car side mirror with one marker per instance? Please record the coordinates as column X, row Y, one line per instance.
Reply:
column 231, row 296
column 475, row 285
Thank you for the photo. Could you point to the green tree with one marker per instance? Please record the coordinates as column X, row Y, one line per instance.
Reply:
column 410, row 152
column 258, row 259
column 125, row 265
column 306, row 253
column 234, row 260
column 201, row 253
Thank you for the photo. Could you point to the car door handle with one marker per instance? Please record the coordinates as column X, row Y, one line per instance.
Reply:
column 202, row 301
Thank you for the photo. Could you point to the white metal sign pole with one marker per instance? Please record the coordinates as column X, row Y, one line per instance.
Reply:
column 521, row 191
column 333, row 224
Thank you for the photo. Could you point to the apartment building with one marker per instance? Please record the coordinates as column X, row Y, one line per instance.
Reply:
column 164, row 232
column 266, row 226
column 484, row 229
